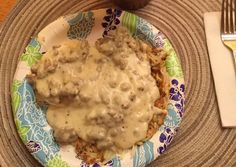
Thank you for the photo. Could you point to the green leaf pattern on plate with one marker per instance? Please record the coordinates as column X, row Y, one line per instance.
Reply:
column 129, row 21
column 57, row 162
column 22, row 130
column 16, row 99
column 167, row 46
column 32, row 53
column 173, row 64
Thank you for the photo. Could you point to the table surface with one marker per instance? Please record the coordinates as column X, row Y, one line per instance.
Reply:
column 5, row 7
column 200, row 141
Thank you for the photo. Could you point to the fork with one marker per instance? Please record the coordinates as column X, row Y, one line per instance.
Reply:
column 228, row 26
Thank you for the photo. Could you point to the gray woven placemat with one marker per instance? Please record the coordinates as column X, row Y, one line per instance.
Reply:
column 201, row 141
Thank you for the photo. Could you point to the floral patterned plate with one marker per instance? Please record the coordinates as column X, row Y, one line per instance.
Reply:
column 30, row 120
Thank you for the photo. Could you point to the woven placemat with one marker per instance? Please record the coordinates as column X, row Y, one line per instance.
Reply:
column 201, row 141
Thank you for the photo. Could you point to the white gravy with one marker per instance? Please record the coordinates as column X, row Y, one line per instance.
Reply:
column 114, row 105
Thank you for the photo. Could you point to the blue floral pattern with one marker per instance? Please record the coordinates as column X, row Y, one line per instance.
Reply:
column 165, row 138
column 159, row 40
column 84, row 164
column 172, row 119
column 81, row 25
column 33, row 146
column 177, row 95
column 115, row 162
column 111, row 20
column 109, row 163
column 144, row 155
column 41, row 141
column 145, row 31
column 95, row 165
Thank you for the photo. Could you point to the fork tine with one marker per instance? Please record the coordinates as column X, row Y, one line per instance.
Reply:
column 227, row 16
column 231, row 20
column 234, row 15
column 223, row 17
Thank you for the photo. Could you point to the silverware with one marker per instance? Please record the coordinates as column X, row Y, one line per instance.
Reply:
column 228, row 25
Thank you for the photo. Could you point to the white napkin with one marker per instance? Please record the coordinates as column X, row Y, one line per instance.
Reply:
column 222, row 66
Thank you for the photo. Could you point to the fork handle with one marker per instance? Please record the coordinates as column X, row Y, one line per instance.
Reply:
column 234, row 57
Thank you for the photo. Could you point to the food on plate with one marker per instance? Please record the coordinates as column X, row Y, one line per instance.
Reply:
column 105, row 98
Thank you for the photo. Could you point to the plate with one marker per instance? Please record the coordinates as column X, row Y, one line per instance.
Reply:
column 30, row 119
